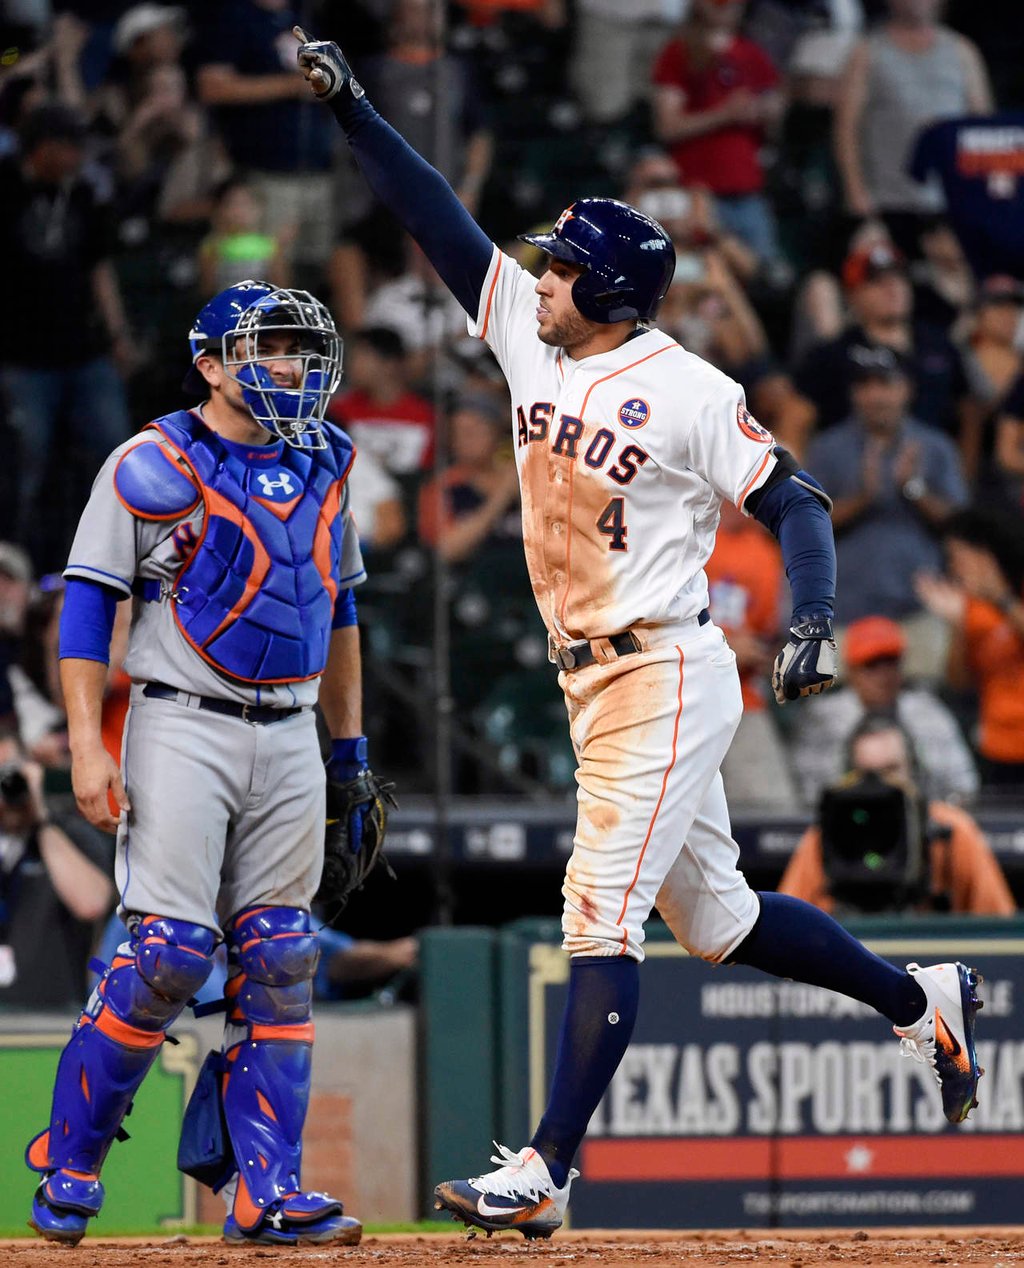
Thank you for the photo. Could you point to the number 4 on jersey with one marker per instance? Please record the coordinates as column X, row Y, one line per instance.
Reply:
column 612, row 522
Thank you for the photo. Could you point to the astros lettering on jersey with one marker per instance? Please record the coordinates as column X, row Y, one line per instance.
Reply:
column 617, row 522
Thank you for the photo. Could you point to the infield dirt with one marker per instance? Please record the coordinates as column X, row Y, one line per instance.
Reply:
column 902, row 1248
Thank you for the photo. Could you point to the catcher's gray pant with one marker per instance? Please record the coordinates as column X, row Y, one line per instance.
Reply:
column 225, row 814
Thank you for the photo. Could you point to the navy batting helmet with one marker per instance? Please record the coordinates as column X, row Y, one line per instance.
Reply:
column 628, row 257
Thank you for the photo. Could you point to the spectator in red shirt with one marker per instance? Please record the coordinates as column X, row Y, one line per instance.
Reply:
column 715, row 95
column 379, row 411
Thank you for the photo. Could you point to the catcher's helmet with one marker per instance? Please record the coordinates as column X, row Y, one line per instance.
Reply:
column 230, row 325
column 628, row 257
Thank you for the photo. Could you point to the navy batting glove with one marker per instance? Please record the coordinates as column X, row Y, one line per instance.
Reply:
column 324, row 66
column 809, row 662
column 349, row 758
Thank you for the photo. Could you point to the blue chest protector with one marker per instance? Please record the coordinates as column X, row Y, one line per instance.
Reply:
column 255, row 594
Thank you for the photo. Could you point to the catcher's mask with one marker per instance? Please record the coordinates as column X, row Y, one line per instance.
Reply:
column 232, row 325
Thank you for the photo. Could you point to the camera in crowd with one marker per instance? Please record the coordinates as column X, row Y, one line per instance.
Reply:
column 14, row 789
column 876, row 842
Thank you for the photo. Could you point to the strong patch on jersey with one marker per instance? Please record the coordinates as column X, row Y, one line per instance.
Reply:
column 751, row 428
column 151, row 484
column 634, row 412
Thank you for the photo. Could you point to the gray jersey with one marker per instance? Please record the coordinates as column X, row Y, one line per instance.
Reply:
column 114, row 546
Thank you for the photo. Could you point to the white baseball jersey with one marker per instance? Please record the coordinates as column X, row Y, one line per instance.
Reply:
column 623, row 459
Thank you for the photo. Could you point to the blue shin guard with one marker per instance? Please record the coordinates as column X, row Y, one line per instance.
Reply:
column 273, row 953
column 114, row 1043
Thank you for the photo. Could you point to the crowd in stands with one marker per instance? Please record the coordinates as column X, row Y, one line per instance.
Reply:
column 844, row 181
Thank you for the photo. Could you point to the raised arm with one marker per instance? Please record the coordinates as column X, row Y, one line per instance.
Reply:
column 416, row 193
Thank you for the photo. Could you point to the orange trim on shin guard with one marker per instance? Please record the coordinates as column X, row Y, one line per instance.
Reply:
column 38, row 1152
column 302, row 1033
column 109, row 1024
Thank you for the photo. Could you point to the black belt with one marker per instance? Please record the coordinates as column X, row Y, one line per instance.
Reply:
column 579, row 655
column 258, row 713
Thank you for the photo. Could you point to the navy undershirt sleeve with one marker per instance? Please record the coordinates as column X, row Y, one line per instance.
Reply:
column 804, row 531
column 420, row 197
column 87, row 620
column 344, row 609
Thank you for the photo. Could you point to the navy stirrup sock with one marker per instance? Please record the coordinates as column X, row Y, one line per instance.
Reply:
column 596, row 1028
column 794, row 939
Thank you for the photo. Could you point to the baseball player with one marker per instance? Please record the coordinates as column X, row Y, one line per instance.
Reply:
column 228, row 524
column 626, row 446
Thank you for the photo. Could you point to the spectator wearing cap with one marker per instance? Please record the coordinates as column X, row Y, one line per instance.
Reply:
column 379, row 409
column 907, row 73
column 880, row 299
column 893, row 480
column 146, row 37
column 873, row 653
column 62, row 325
column 715, row 96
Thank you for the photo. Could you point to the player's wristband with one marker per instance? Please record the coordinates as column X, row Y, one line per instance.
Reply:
column 350, row 751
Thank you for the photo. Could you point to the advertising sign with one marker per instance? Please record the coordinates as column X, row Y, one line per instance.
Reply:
column 744, row 1100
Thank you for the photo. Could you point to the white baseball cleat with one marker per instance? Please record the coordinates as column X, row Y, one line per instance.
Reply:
column 943, row 1037
column 520, row 1195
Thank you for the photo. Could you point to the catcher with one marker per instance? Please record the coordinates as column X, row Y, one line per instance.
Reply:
column 229, row 526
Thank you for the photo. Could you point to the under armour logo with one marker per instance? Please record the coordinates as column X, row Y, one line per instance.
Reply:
column 276, row 1220
column 566, row 215
column 268, row 485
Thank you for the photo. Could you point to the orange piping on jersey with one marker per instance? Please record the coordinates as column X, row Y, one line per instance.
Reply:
column 753, row 480
column 661, row 798
column 490, row 300
column 568, row 549
column 632, row 366
column 558, row 363
column 302, row 1033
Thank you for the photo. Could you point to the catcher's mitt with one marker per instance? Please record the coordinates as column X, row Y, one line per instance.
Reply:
column 357, row 819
